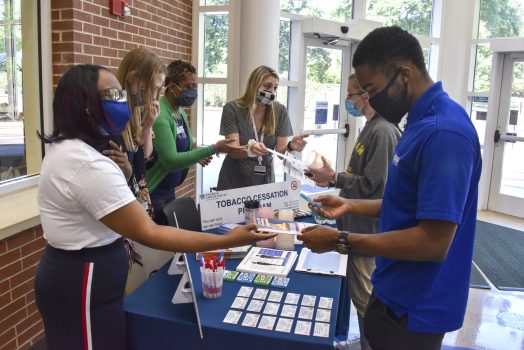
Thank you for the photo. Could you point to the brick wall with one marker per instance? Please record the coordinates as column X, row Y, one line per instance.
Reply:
column 85, row 32
column 20, row 323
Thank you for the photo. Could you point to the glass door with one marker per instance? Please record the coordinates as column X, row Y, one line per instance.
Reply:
column 325, row 90
column 507, row 182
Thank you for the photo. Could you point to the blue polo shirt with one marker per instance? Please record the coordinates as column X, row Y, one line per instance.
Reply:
column 433, row 175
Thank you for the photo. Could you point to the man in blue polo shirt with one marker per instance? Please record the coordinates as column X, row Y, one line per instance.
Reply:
column 428, row 212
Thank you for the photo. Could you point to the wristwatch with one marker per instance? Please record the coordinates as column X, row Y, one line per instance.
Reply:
column 342, row 245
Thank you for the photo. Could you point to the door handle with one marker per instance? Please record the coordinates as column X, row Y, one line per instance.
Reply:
column 342, row 131
column 507, row 137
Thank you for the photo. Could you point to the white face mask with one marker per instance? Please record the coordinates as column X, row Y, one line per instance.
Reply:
column 265, row 97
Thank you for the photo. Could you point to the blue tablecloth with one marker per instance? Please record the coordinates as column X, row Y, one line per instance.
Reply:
column 155, row 323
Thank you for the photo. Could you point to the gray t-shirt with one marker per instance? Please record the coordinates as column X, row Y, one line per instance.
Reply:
column 236, row 173
column 365, row 177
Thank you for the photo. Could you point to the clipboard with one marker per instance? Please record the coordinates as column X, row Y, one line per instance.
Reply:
column 330, row 263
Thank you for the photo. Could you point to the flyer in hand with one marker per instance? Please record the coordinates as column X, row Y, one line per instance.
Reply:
column 280, row 226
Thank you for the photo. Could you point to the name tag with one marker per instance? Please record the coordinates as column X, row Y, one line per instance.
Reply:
column 180, row 131
column 260, row 169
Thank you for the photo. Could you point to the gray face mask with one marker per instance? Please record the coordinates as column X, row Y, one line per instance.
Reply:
column 265, row 97
column 139, row 99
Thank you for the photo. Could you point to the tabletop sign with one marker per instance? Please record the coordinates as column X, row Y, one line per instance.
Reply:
column 217, row 208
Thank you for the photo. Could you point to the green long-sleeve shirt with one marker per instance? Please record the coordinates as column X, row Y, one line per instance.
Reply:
column 164, row 143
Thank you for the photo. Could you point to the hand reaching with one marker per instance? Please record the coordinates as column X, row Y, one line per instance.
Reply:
column 333, row 207
column 259, row 149
column 204, row 162
column 227, row 146
column 319, row 239
column 246, row 234
column 298, row 143
column 323, row 174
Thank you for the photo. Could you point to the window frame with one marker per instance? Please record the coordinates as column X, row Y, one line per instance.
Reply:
column 45, row 92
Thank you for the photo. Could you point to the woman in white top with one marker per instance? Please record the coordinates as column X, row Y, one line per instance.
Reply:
column 85, row 207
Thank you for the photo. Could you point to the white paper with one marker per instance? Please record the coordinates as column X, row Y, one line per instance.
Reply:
column 250, row 320
column 288, row 311
column 323, row 315
column 260, row 293
column 325, row 303
column 245, row 291
column 309, row 300
column 255, row 305
column 292, row 298
column 330, row 263
column 239, row 303
column 321, row 330
column 284, row 325
column 275, row 296
column 271, row 308
column 306, row 313
column 232, row 316
column 303, row 327
column 267, row 322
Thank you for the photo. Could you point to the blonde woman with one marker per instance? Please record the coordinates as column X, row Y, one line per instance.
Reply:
column 142, row 74
column 258, row 121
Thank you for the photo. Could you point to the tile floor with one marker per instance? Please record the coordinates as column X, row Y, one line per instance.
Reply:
column 494, row 318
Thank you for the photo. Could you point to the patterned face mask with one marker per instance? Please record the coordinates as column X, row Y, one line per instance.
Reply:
column 265, row 97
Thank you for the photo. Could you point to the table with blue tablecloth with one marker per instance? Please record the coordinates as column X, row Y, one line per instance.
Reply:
column 155, row 323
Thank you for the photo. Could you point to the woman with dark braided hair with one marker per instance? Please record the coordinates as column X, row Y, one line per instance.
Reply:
column 173, row 141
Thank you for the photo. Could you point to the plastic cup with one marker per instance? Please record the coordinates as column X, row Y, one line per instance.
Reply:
column 212, row 280
column 314, row 160
column 285, row 242
column 286, row 214
column 266, row 213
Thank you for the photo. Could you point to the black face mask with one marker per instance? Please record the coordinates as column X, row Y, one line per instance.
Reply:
column 389, row 108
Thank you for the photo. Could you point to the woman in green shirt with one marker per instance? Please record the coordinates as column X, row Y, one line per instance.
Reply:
column 173, row 142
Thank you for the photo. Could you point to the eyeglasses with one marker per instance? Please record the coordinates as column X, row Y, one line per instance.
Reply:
column 114, row 94
column 348, row 96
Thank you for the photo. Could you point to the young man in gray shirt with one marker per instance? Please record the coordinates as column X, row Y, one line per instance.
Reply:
column 364, row 178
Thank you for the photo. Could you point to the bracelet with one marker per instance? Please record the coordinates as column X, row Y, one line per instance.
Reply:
column 289, row 146
column 214, row 149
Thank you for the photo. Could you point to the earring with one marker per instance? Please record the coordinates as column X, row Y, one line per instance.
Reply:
column 87, row 111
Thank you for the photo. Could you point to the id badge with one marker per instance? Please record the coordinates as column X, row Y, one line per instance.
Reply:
column 181, row 132
column 260, row 169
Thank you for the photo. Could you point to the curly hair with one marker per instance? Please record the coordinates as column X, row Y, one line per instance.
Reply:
column 384, row 47
column 177, row 70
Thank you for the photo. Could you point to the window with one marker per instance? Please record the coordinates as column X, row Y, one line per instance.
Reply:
column 411, row 15
column 215, row 45
column 20, row 148
column 334, row 10
column 501, row 19
column 214, row 97
column 284, row 43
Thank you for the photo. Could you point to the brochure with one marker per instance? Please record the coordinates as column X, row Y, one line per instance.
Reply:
column 280, row 226
column 267, row 261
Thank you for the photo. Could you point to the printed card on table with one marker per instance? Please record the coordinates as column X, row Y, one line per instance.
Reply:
column 232, row 316
column 284, row 325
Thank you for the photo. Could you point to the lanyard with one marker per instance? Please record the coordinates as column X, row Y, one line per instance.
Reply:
column 256, row 134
